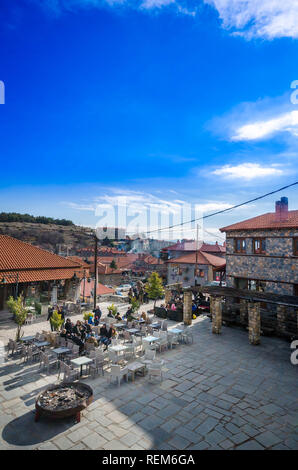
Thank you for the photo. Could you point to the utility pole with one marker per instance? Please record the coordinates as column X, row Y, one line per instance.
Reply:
column 95, row 271
column 197, row 246
column 84, row 285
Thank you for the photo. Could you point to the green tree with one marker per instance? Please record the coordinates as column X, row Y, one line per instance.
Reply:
column 154, row 287
column 56, row 320
column 20, row 313
column 113, row 265
column 135, row 304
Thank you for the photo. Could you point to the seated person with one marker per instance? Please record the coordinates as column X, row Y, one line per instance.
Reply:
column 91, row 339
column 173, row 307
column 76, row 340
column 128, row 313
column 105, row 334
column 87, row 327
column 97, row 315
column 64, row 334
column 68, row 326
column 118, row 317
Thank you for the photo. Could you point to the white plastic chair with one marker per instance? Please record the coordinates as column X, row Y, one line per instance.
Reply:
column 155, row 370
column 118, row 373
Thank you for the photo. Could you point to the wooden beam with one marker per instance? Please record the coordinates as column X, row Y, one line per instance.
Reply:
column 249, row 295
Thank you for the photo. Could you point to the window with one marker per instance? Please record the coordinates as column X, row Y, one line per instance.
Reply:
column 259, row 245
column 240, row 245
column 256, row 285
column 199, row 272
column 295, row 246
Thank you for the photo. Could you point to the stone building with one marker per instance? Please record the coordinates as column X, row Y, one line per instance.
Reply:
column 33, row 272
column 192, row 269
column 262, row 252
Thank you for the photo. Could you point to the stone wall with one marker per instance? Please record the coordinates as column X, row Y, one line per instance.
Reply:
column 254, row 323
column 187, row 308
column 279, row 267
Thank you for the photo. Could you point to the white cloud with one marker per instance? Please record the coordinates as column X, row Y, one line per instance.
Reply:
column 260, row 129
column 247, row 171
column 267, row 19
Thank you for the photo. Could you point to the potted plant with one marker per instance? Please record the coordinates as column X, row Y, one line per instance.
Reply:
column 56, row 321
column 87, row 316
column 112, row 310
column 20, row 313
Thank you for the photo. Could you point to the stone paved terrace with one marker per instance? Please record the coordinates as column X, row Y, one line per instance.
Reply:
column 219, row 393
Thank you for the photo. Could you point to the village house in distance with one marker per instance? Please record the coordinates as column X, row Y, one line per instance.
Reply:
column 262, row 252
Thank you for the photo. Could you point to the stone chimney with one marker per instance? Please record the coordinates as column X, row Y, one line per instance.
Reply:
column 281, row 210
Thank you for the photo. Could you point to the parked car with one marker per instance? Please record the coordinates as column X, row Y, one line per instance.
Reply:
column 217, row 283
column 124, row 287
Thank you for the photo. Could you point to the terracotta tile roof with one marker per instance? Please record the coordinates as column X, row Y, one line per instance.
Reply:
column 149, row 259
column 188, row 245
column 36, row 275
column 101, row 289
column 32, row 263
column 213, row 248
column 265, row 221
column 202, row 258
column 80, row 261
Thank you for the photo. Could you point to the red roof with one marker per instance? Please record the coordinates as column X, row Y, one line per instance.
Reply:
column 213, row 248
column 101, row 289
column 265, row 221
column 202, row 258
column 80, row 261
column 187, row 245
column 33, row 263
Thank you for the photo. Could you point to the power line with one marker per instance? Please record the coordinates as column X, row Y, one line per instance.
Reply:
column 224, row 210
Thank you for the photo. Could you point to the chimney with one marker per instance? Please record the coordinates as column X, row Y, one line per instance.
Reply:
column 281, row 210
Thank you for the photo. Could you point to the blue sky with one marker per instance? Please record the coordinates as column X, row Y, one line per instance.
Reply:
column 161, row 102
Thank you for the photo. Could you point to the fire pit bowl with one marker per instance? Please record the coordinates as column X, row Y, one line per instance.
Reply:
column 63, row 400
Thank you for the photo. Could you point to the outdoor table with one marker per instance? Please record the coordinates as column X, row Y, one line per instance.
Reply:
column 61, row 351
column 132, row 331
column 135, row 367
column 141, row 320
column 27, row 339
column 81, row 361
column 155, row 325
column 117, row 348
column 150, row 339
column 119, row 325
column 41, row 344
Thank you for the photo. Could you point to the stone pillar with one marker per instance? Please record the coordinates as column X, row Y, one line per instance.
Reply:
column 254, row 322
column 187, row 308
column 168, row 295
column 281, row 319
column 216, row 312
column 54, row 295
column 243, row 312
column 77, row 290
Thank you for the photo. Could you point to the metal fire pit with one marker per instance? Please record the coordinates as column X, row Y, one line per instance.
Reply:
column 63, row 400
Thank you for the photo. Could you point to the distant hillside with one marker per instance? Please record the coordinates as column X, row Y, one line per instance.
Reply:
column 16, row 217
column 59, row 239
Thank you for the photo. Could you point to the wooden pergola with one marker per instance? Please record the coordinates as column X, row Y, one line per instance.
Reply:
column 250, row 313
column 249, row 295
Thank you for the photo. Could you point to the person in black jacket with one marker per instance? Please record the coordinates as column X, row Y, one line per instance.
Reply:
column 97, row 315
column 50, row 314
column 68, row 326
column 105, row 336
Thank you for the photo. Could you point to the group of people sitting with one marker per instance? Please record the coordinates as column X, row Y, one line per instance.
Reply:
column 82, row 333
